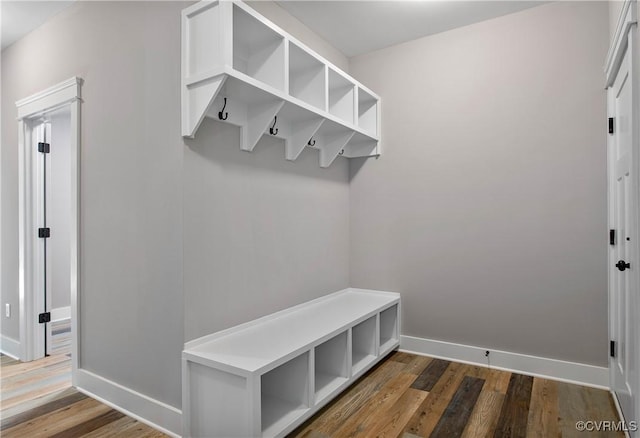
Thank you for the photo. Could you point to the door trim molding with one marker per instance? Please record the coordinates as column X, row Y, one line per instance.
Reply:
column 65, row 93
column 618, row 46
column 571, row 372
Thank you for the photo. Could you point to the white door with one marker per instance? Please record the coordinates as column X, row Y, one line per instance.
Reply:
column 623, row 262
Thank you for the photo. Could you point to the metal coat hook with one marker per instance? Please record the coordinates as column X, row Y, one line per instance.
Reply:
column 341, row 152
column 311, row 144
column 271, row 130
column 221, row 114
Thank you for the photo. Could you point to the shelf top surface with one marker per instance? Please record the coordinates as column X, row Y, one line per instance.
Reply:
column 256, row 344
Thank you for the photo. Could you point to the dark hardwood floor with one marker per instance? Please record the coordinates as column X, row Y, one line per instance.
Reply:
column 405, row 396
column 412, row 396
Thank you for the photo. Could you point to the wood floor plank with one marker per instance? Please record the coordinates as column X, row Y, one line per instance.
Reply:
column 89, row 425
column 427, row 415
column 391, row 422
column 400, row 356
column 330, row 418
column 484, row 418
column 430, row 375
column 543, row 410
column 515, row 408
column 41, row 410
column 360, row 423
column 124, row 427
column 417, row 365
column 59, row 420
column 23, row 367
column 455, row 417
column 579, row 403
column 497, row 380
column 39, row 392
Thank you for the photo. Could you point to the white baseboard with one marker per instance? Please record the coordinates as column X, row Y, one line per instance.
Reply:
column 10, row 347
column 154, row 413
column 571, row 372
column 60, row 313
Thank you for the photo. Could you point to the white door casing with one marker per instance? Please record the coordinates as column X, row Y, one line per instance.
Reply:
column 30, row 171
column 623, row 156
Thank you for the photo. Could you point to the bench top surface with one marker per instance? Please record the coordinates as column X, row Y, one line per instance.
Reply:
column 258, row 343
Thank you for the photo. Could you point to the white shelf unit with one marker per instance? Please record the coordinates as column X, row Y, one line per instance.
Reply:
column 266, row 377
column 230, row 53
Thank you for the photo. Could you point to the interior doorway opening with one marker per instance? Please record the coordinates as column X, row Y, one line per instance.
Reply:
column 48, row 222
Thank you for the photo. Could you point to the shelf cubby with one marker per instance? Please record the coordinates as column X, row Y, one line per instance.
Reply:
column 330, row 366
column 363, row 344
column 388, row 328
column 307, row 78
column 341, row 96
column 284, row 394
column 367, row 112
column 258, row 51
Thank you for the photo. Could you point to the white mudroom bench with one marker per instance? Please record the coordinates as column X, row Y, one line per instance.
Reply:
column 266, row 377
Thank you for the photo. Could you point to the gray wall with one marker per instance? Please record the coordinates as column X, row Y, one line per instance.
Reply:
column 131, row 181
column 487, row 210
column 59, row 210
column 260, row 233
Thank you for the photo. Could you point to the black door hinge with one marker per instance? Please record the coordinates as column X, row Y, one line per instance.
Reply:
column 44, row 233
column 612, row 348
column 612, row 237
column 44, row 317
column 43, row 147
column 611, row 125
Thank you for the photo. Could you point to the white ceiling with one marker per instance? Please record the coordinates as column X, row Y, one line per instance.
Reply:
column 21, row 17
column 353, row 27
column 357, row 27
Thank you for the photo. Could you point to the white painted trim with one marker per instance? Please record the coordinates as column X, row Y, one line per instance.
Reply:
column 60, row 313
column 48, row 99
column 572, row 372
column 619, row 43
column 147, row 410
column 65, row 93
column 10, row 347
column 614, row 396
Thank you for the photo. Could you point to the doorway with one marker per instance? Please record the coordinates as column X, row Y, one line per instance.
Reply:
column 48, row 222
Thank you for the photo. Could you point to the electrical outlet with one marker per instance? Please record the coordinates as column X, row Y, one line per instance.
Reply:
column 7, row 310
